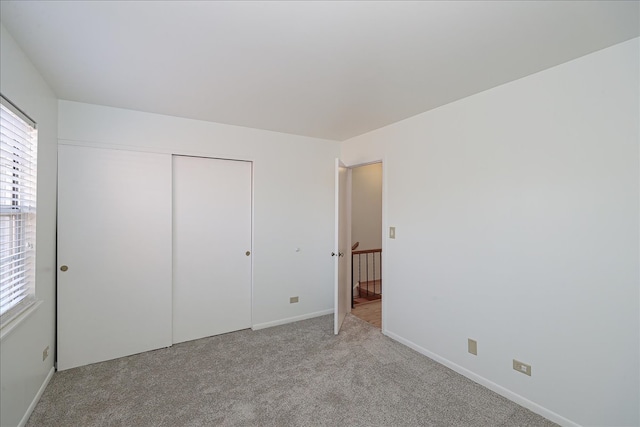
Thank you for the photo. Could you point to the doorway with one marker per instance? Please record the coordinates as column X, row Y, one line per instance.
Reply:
column 366, row 242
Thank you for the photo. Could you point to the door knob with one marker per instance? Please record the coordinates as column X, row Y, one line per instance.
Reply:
column 340, row 254
column 247, row 253
column 334, row 254
column 64, row 268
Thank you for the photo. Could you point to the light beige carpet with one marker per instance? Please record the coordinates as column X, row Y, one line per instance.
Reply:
column 298, row 374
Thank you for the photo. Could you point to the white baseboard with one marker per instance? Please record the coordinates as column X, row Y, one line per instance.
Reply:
column 532, row 406
column 37, row 397
column 291, row 319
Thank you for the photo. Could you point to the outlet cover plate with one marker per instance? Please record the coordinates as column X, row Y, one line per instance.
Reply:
column 473, row 346
column 521, row 367
column 293, row 300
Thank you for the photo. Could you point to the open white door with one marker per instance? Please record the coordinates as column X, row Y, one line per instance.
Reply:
column 341, row 246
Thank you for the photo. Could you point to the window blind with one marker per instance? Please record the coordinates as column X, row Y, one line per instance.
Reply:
column 18, row 155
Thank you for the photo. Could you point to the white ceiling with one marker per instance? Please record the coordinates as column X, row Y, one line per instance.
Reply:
column 325, row 69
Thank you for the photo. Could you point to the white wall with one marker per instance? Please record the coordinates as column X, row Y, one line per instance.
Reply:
column 517, row 215
column 22, row 371
column 293, row 195
column 366, row 206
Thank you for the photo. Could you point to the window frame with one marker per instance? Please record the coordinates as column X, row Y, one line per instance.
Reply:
column 22, row 211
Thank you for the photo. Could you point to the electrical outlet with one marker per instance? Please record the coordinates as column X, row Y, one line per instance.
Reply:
column 521, row 367
column 45, row 353
column 473, row 346
column 293, row 300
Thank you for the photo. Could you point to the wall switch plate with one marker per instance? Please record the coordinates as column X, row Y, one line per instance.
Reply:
column 45, row 353
column 521, row 367
column 392, row 232
column 473, row 346
column 293, row 300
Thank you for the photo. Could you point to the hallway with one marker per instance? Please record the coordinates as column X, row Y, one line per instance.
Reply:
column 370, row 312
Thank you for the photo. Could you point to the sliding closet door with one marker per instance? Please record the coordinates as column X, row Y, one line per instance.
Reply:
column 211, row 247
column 114, row 254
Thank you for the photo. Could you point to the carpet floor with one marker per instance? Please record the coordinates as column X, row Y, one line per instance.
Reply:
column 298, row 374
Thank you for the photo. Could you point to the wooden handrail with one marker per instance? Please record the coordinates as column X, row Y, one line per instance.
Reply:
column 366, row 251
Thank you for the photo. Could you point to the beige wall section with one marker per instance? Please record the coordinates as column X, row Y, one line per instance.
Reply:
column 23, row 373
column 366, row 206
column 517, row 217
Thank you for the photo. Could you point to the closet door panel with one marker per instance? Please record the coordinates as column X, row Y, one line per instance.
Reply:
column 211, row 247
column 114, row 243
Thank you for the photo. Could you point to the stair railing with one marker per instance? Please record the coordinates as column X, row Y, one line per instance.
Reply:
column 366, row 265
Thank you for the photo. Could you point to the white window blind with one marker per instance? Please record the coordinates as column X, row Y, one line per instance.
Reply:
column 18, row 154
